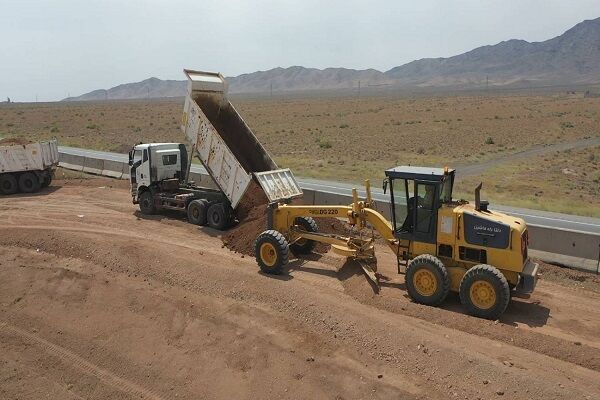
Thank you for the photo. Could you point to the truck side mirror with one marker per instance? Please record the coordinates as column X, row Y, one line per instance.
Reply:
column 385, row 183
column 131, row 158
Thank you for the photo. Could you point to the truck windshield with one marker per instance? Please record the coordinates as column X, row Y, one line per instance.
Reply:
column 137, row 157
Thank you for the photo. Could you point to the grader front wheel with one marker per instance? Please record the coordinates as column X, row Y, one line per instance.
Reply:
column 427, row 280
column 272, row 252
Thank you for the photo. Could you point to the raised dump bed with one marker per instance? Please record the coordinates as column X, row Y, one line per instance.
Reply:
column 224, row 143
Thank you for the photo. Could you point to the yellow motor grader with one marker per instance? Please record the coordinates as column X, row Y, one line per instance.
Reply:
column 443, row 244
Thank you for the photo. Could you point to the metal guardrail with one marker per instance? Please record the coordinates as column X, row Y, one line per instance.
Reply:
column 584, row 246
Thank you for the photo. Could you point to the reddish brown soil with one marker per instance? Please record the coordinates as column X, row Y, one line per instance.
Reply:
column 570, row 277
column 99, row 302
column 13, row 141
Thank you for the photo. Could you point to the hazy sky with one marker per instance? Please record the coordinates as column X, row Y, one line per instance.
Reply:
column 55, row 48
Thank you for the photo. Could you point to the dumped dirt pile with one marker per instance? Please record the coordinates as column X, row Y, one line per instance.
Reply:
column 252, row 216
column 12, row 141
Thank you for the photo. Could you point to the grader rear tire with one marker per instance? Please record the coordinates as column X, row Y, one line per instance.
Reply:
column 272, row 252
column 304, row 246
column 484, row 291
column 427, row 280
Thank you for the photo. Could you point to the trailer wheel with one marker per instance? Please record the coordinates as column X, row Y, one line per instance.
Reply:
column 217, row 217
column 427, row 280
column 484, row 291
column 8, row 184
column 304, row 246
column 29, row 182
column 271, row 251
column 196, row 212
column 146, row 202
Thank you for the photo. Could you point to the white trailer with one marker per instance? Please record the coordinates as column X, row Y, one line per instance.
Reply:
column 27, row 167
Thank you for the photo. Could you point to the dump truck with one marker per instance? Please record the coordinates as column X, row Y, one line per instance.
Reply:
column 441, row 244
column 223, row 143
column 27, row 167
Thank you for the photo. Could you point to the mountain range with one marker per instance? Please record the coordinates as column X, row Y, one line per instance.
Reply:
column 571, row 58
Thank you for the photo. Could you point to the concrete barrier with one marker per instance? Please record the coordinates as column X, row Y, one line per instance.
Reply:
column 565, row 242
column 114, row 169
column 71, row 161
column 125, row 171
column 93, row 165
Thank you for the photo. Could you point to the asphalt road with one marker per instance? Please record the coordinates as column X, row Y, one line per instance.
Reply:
column 532, row 217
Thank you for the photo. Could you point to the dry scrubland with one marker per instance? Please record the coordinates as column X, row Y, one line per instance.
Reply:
column 353, row 139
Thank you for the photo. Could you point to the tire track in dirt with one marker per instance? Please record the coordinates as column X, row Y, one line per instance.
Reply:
column 82, row 364
column 552, row 346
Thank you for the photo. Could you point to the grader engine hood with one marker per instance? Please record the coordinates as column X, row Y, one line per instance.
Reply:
column 489, row 228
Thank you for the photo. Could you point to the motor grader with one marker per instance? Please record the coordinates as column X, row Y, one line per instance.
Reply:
column 441, row 244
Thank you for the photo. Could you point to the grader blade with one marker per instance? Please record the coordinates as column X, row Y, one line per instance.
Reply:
column 369, row 271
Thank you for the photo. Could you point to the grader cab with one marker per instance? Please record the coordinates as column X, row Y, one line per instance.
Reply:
column 441, row 244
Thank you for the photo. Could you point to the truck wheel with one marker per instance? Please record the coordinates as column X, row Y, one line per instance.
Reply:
column 196, row 212
column 484, row 291
column 427, row 280
column 29, row 182
column 271, row 251
column 47, row 179
column 146, row 202
column 304, row 246
column 8, row 184
column 217, row 217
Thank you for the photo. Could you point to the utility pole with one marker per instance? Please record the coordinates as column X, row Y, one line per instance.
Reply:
column 487, row 82
column 358, row 88
column 271, row 89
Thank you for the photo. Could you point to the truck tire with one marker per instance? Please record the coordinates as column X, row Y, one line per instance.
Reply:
column 427, row 280
column 484, row 291
column 271, row 251
column 217, row 217
column 304, row 246
column 8, row 184
column 29, row 182
column 196, row 212
column 47, row 179
column 146, row 202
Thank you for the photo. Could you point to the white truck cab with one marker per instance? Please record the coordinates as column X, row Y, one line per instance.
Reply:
column 155, row 162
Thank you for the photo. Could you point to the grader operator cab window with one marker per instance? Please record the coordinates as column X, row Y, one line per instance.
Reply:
column 416, row 195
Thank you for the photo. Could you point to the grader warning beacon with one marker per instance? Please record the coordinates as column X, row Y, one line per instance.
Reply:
column 443, row 244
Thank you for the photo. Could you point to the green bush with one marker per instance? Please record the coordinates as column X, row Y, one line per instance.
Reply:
column 325, row 144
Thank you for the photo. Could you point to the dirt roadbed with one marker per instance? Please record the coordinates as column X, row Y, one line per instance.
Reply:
column 100, row 302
